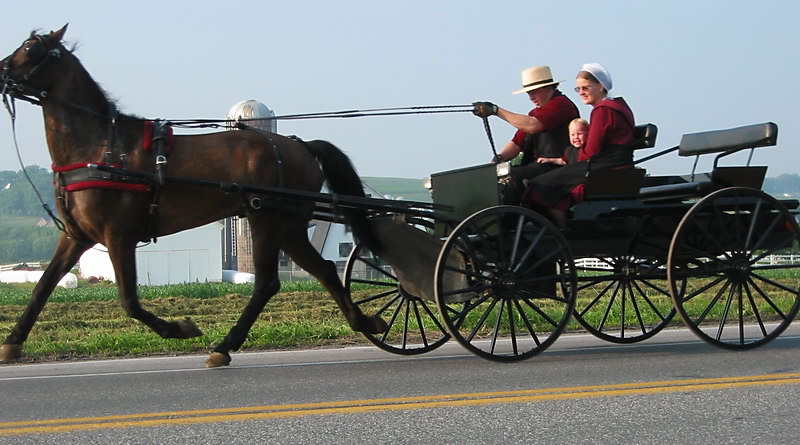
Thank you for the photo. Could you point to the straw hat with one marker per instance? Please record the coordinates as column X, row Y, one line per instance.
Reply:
column 536, row 77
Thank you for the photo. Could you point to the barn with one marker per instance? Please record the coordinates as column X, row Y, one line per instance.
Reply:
column 190, row 256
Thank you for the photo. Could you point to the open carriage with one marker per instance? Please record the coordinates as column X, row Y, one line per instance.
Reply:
column 505, row 283
column 501, row 280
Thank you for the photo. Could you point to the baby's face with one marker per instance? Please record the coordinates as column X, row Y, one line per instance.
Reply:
column 577, row 135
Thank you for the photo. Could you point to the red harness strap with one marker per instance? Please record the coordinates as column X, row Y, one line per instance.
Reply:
column 147, row 141
column 108, row 184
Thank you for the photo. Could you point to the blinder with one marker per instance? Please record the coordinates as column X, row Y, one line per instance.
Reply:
column 38, row 54
column 37, row 51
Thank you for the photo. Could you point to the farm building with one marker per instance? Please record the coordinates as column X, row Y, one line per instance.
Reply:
column 193, row 255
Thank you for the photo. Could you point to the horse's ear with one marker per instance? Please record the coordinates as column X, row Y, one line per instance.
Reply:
column 58, row 35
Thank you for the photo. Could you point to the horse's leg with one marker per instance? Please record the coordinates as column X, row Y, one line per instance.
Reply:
column 123, row 257
column 266, row 243
column 67, row 253
column 303, row 253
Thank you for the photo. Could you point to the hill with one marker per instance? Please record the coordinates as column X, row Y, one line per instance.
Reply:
column 400, row 188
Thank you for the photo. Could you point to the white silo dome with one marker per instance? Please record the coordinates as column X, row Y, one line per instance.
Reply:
column 250, row 112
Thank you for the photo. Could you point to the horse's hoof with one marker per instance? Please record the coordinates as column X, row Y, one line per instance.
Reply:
column 379, row 325
column 189, row 328
column 218, row 359
column 10, row 353
column 371, row 325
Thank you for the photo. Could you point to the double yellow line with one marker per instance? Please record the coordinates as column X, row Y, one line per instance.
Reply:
column 208, row 416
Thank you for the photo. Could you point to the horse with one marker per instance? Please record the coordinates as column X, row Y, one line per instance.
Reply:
column 83, row 127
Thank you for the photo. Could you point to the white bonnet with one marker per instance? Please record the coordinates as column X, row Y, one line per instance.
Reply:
column 600, row 73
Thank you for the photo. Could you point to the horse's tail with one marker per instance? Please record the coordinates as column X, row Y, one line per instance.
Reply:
column 343, row 179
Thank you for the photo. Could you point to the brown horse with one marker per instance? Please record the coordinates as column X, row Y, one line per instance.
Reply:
column 83, row 127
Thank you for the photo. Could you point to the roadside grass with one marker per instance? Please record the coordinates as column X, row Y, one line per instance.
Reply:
column 88, row 322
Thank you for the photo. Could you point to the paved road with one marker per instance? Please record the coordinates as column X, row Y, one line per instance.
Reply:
column 669, row 389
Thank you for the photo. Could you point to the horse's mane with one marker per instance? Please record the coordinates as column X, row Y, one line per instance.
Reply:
column 73, row 47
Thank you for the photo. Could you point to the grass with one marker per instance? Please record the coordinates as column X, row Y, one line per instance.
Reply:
column 88, row 322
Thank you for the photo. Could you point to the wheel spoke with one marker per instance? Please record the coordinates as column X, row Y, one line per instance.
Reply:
column 497, row 322
column 712, row 303
column 419, row 323
column 636, row 310
column 765, row 296
column 609, row 306
column 377, row 267
column 726, row 312
column 648, row 300
column 374, row 282
column 527, row 322
column 481, row 321
column 756, row 312
column 392, row 320
column 376, row 296
column 540, row 312
column 598, row 297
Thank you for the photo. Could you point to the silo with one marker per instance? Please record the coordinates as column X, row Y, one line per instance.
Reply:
column 238, row 249
column 252, row 113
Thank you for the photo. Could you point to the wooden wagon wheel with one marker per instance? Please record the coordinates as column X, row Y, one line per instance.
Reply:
column 633, row 290
column 505, row 283
column 740, row 249
column 414, row 325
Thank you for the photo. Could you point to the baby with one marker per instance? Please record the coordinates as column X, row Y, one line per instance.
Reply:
column 578, row 130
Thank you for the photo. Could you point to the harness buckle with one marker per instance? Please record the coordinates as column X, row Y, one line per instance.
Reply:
column 161, row 159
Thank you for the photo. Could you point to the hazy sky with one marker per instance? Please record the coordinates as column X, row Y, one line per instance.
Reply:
column 686, row 66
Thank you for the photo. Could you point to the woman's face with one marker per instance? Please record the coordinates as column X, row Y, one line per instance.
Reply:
column 591, row 93
column 577, row 135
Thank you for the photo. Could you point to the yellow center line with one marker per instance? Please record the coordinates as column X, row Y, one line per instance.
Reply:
column 236, row 414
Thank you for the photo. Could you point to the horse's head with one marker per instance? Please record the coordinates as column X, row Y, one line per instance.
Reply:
column 23, row 72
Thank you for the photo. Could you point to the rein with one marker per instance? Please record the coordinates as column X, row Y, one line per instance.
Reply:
column 395, row 111
column 39, row 55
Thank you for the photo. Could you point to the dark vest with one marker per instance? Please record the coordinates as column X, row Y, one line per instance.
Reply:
column 547, row 144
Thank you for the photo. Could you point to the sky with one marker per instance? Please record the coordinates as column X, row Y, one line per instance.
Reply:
column 686, row 66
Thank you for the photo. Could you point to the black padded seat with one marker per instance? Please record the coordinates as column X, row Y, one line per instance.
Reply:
column 732, row 139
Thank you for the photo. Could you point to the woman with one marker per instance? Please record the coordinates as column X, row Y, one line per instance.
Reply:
column 608, row 145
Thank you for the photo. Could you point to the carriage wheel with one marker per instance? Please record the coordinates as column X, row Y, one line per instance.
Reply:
column 414, row 326
column 505, row 283
column 624, row 299
column 739, row 247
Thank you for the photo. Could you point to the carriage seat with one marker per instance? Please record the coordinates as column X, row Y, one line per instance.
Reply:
column 729, row 140
column 607, row 184
column 671, row 188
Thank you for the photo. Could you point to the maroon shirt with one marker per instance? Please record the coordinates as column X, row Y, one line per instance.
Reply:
column 611, row 123
column 558, row 111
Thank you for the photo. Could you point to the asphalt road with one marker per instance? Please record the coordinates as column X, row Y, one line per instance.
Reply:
column 670, row 389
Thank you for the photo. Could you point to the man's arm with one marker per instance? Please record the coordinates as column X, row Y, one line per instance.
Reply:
column 509, row 151
column 528, row 124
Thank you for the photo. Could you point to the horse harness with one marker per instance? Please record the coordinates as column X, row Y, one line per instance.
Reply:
column 113, row 174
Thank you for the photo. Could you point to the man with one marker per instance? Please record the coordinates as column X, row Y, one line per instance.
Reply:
column 542, row 135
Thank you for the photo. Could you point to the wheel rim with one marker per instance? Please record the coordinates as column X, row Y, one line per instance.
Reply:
column 739, row 248
column 624, row 299
column 414, row 326
column 505, row 283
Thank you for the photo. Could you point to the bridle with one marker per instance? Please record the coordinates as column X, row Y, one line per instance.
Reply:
column 39, row 55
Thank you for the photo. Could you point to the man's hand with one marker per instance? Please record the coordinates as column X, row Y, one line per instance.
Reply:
column 484, row 109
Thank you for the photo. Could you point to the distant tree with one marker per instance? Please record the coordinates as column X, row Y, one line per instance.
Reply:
column 17, row 197
column 783, row 184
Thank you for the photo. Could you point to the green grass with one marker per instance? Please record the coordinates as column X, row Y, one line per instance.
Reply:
column 88, row 322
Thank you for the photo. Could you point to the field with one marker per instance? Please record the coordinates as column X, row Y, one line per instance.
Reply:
column 400, row 188
column 88, row 322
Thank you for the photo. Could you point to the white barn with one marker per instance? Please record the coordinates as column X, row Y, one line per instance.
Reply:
column 193, row 255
